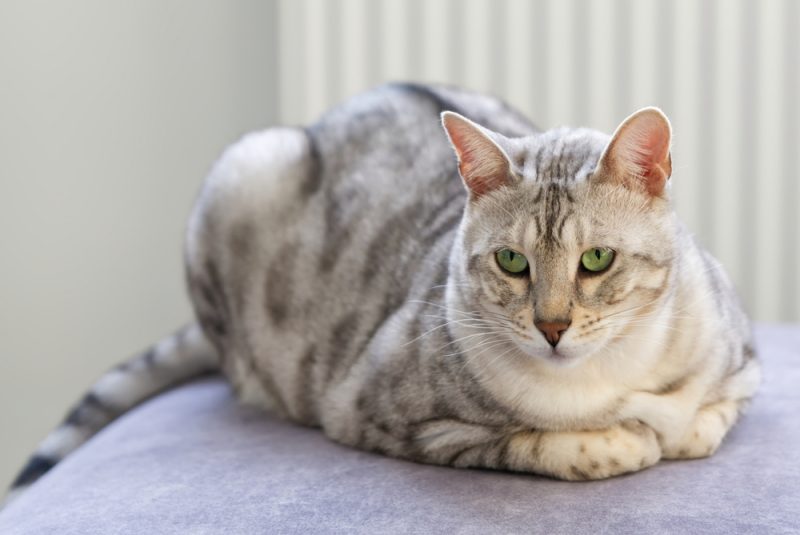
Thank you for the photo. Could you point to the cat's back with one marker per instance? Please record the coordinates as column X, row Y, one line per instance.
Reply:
column 395, row 130
column 305, row 240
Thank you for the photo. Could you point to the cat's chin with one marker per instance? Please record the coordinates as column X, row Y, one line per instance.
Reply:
column 554, row 356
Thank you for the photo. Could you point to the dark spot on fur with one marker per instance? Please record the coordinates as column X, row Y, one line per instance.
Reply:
column 240, row 240
column 36, row 467
column 304, row 386
column 279, row 286
column 149, row 357
column 88, row 410
column 338, row 208
column 474, row 265
column 341, row 339
column 209, row 297
column 313, row 177
column 578, row 473
column 637, row 428
column 673, row 386
column 392, row 240
column 724, row 418
column 748, row 354
column 362, row 402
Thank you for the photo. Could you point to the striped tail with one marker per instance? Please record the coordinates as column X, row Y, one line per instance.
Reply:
column 176, row 358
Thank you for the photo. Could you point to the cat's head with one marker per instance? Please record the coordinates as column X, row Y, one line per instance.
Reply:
column 568, row 239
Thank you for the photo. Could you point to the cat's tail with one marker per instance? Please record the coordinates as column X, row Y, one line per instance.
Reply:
column 177, row 358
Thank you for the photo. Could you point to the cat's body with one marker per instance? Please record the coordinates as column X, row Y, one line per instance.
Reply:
column 347, row 279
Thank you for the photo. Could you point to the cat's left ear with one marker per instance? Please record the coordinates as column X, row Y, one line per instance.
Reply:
column 482, row 163
column 638, row 155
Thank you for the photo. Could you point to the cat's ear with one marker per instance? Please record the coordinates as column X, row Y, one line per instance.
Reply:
column 482, row 163
column 638, row 155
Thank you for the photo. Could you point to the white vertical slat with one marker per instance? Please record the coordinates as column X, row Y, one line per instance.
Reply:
column 790, row 309
column 727, row 131
column 540, row 57
column 664, row 34
column 685, row 158
column 316, row 89
column 291, row 74
column 520, row 69
column 354, row 52
column 438, row 38
column 498, row 51
column 476, row 46
column 395, row 33
column 768, row 252
column 623, row 48
column 559, row 73
column 643, row 54
column 373, row 42
column 747, row 154
column 601, row 67
column 582, row 84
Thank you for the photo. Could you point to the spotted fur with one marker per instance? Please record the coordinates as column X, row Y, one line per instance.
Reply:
column 347, row 280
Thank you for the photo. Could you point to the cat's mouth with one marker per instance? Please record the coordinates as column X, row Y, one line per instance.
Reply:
column 559, row 356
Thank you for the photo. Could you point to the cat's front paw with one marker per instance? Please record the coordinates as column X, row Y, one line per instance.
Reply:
column 704, row 435
column 586, row 455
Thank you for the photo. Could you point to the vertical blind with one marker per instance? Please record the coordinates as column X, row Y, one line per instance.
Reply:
column 724, row 71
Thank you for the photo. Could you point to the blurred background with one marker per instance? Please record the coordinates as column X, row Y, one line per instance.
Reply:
column 111, row 112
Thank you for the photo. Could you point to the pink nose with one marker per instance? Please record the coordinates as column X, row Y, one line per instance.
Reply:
column 552, row 330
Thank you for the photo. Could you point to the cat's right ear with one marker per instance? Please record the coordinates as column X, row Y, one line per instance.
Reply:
column 483, row 165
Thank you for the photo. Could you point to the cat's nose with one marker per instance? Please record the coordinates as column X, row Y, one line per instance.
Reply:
column 552, row 330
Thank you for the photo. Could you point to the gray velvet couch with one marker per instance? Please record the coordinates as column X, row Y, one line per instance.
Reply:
column 192, row 461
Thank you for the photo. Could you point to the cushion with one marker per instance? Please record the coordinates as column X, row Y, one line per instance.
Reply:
column 194, row 461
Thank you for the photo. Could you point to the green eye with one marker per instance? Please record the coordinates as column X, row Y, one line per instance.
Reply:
column 597, row 258
column 511, row 261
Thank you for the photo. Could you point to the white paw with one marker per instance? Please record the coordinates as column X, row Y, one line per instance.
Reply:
column 587, row 455
column 705, row 433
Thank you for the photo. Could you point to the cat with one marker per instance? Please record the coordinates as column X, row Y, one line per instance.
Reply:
column 479, row 295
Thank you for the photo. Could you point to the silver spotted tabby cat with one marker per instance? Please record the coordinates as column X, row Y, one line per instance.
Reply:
column 531, row 303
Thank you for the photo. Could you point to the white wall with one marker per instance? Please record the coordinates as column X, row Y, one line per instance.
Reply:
column 110, row 114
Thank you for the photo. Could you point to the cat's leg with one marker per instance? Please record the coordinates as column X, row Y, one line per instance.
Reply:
column 585, row 455
column 683, row 430
column 579, row 455
column 705, row 433
column 692, row 421
column 713, row 420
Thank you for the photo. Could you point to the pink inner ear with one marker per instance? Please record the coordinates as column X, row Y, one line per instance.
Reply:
column 640, row 150
column 480, row 169
column 652, row 150
column 481, row 163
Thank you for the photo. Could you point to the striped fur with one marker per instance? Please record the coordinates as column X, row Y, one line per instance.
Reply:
column 347, row 279
column 363, row 295
column 175, row 359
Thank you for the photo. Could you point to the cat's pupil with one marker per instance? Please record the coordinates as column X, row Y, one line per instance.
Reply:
column 597, row 253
